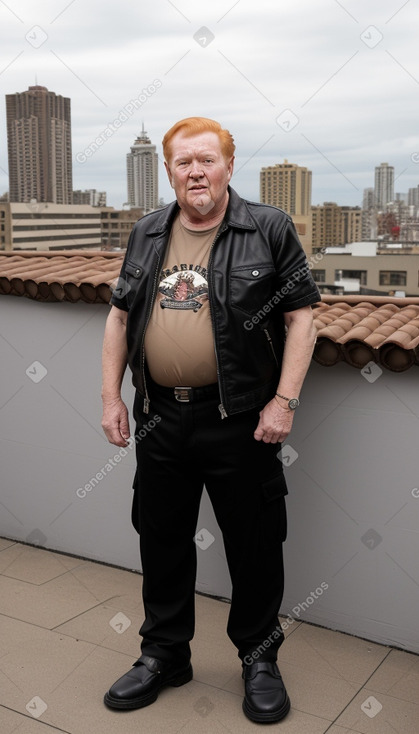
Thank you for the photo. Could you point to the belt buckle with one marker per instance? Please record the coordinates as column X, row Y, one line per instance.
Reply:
column 183, row 394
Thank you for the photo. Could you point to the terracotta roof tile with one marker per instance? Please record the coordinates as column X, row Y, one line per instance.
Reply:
column 69, row 275
column 354, row 329
column 358, row 330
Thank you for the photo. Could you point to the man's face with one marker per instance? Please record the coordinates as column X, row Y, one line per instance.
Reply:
column 199, row 174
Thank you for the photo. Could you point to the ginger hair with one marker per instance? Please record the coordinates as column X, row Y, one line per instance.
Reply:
column 194, row 126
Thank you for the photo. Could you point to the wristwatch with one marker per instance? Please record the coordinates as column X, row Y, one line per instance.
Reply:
column 293, row 403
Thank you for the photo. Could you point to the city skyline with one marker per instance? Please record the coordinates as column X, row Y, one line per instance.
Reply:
column 332, row 88
column 143, row 164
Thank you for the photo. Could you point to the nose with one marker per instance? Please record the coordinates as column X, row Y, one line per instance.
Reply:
column 196, row 170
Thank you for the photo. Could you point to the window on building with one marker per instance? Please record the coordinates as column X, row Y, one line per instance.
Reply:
column 393, row 277
column 319, row 275
column 360, row 275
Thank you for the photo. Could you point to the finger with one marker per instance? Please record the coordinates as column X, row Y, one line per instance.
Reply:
column 121, row 433
column 118, row 441
column 272, row 438
column 114, row 436
column 258, row 434
column 125, row 433
column 124, row 426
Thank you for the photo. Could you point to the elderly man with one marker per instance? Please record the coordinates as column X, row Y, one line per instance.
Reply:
column 212, row 314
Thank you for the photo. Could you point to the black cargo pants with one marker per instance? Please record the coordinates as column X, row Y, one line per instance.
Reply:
column 188, row 447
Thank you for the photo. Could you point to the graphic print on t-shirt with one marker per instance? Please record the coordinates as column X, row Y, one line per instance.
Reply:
column 184, row 287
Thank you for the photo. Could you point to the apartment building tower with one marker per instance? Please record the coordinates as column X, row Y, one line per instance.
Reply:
column 335, row 225
column 383, row 185
column 39, row 146
column 142, row 174
column 90, row 197
column 288, row 186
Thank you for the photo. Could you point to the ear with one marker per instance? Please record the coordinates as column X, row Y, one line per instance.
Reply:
column 169, row 175
column 230, row 168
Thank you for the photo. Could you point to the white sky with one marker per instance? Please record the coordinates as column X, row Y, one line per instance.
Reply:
column 347, row 69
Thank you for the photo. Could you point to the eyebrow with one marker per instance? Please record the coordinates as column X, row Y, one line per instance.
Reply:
column 188, row 154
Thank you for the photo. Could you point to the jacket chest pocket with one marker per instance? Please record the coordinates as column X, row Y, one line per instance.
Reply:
column 251, row 287
column 129, row 282
column 132, row 270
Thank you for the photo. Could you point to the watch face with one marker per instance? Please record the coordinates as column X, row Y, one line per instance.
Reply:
column 293, row 403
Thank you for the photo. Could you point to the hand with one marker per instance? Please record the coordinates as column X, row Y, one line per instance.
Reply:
column 275, row 423
column 115, row 422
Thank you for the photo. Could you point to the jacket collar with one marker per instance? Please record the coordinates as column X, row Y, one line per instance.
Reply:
column 237, row 215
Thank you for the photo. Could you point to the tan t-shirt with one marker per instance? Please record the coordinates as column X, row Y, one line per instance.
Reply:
column 179, row 345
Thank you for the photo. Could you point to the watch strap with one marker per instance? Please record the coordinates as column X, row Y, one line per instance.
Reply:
column 292, row 402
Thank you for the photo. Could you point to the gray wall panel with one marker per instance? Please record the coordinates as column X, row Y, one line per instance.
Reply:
column 353, row 514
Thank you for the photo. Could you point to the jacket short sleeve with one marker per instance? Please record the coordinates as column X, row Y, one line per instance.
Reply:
column 122, row 287
column 295, row 284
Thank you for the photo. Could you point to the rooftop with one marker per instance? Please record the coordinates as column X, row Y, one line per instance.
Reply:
column 354, row 329
column 69, row 629
column 64, row 275
column 361, row 329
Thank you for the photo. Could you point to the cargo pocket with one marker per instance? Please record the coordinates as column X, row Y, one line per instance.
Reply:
column 135, row 504
column 273, row 511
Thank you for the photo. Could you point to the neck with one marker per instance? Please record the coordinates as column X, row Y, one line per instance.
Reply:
column 200, row 222
column 194, row 220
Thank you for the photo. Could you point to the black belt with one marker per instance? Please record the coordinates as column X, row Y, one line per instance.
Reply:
column 187, row 394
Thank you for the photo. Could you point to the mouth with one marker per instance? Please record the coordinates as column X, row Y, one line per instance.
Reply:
column 197, row 187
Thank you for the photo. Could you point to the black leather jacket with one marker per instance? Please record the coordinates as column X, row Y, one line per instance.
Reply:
column 257, row 270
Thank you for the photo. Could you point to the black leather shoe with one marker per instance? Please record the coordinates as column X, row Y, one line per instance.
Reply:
column 266, row 699
column 141, row 685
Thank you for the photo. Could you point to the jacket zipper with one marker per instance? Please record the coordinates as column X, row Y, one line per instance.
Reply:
column 269, row 338
column 221, row 407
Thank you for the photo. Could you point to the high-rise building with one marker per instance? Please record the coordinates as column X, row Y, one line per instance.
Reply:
column 335, row 225
column 368, row 200
column 89, row 196
column 142, row 174
column 288, row 186
column 413, row 197
column 369, row 215
column 351, row 230
column 327, row 224
column 384, row 185
column 39, row 146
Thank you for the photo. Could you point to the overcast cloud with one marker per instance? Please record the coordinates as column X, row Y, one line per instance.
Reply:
column 328, row 84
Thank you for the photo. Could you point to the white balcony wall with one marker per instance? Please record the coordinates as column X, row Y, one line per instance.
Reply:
column 353, row 505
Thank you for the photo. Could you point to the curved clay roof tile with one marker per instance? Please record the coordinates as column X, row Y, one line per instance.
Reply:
column 358, row 354
column 395, row 358
column 326, row 352
column 360, row 332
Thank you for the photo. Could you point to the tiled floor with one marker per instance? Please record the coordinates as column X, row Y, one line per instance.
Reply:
column 69, row 628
